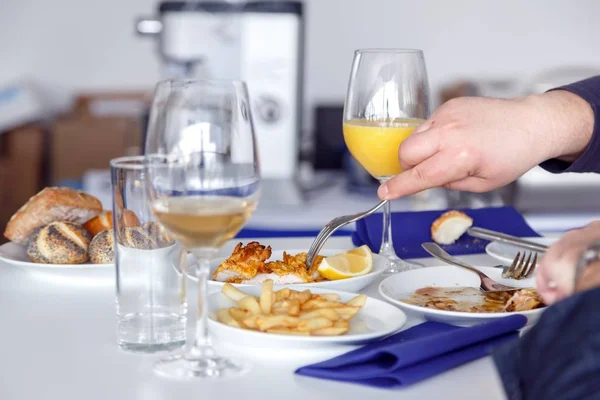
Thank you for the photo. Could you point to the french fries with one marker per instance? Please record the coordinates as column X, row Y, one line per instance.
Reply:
column 250, row 304
column 266, row 297
column 234, row 294
column 290, row 312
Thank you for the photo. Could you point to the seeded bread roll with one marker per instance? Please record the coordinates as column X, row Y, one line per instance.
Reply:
column 158, row 234
column 59, row 243
column 136, row 237
column 102, row 248
column 50, row 205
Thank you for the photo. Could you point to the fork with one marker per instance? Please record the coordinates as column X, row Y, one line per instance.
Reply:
column 521, row 267
column 487, row 284
column 333, row 226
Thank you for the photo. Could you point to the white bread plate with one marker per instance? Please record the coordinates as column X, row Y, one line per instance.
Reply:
column 16, row 255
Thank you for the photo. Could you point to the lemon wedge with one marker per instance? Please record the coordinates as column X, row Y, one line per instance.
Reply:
column 353, row 263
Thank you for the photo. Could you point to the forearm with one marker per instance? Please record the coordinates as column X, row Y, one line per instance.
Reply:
column 565, row 123
column 579, row 113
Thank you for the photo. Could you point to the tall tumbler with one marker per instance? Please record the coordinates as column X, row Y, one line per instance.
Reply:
column 151, row 289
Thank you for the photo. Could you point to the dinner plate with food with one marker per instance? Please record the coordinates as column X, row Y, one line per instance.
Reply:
column 451, row 294
column 60, row 228
column 507, row 252
column 253, row 263
column 281, row 316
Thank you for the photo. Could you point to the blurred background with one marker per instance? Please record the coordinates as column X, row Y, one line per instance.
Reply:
column 76, row 78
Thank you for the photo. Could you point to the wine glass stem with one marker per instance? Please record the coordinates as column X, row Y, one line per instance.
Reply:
column 387, row 246
column 202, row 343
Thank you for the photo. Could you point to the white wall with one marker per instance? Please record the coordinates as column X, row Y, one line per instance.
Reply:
column 71, row 45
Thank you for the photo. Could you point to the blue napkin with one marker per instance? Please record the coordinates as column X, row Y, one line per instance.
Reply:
column 417, row 353
column 410, row 229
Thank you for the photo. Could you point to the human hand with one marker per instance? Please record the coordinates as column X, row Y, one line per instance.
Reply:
column 556, row 273
column 480, row 144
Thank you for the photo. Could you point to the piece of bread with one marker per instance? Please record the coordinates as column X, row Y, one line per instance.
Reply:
column 102, row 248
column 128, row 218
column 158, row 234
column 136, row 238
column 99, row 223
column 450, row 226
column 59, row 243
column 50, row 205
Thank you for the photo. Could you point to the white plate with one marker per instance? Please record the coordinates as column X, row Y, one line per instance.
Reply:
column 507, row 253
column 353, row 285
column 13, row 254
column 404, row 284
column 375, row 320
column 79, row 275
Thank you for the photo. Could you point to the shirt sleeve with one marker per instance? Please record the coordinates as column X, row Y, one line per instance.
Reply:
column 589, row 160
column 559, row 358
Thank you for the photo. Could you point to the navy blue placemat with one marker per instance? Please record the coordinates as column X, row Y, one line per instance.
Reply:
column 410, row 229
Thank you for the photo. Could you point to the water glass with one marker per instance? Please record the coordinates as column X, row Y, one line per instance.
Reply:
column 151, row 289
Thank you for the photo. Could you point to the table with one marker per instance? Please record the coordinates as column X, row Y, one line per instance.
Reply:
column 57, row 341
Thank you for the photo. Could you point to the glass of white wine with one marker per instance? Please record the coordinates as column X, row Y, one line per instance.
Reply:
column 203, row 184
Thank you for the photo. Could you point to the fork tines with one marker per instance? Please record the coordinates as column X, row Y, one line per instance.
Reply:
column 522, row 267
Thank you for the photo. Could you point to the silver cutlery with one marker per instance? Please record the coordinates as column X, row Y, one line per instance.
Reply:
column 487, row 234
column 487, row 284
column 522, row 267
column 333, row 226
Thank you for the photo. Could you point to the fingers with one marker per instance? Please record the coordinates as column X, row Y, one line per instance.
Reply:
column 424, row 126
column 472, row 184
column 418, row 147
column 436, row 171
column 556, row 273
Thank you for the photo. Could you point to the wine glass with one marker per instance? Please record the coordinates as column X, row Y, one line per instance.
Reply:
column 387, row 98
column 203, row 184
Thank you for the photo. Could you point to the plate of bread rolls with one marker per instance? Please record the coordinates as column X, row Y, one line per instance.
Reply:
column 60, row 228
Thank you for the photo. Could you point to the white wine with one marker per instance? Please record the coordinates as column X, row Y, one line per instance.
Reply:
column 203, row 221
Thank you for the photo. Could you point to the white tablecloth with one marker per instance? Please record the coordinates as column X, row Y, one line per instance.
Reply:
column 57, row 341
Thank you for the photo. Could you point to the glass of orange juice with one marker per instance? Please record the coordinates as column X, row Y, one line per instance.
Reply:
column 387, row 98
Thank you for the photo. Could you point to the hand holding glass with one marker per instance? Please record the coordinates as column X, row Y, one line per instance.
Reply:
column 388, row 97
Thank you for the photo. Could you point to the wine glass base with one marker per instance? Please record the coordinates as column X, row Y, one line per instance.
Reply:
column 185, row 367
column 395, row 265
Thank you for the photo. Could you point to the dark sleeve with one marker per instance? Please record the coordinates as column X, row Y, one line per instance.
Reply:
column 559, row 358
column 589, row 161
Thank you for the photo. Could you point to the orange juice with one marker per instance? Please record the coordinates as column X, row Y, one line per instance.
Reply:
column 375, row 144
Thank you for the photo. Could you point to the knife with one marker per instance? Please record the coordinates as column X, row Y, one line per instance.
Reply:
column 504, row 238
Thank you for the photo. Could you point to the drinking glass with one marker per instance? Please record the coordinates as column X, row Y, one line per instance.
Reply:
column 203, row 184
column 151, row 293
column 387, row 98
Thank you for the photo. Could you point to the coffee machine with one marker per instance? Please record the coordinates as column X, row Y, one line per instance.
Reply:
column 260, row 42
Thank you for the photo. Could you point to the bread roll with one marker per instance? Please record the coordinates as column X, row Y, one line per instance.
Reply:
column 450, row 226
column 50, row 205
column 99, row 223
column 59, row 243
column 136, row 237
column 102, row 248
column 157, row 233
column 128, row 218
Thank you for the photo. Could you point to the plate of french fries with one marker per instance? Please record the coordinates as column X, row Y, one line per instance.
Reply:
column 269, row 315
